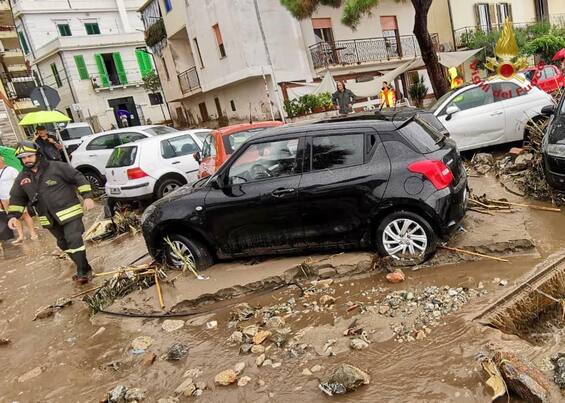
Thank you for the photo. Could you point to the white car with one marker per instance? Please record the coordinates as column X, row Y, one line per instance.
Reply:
column 153, row 167
column 91, row 156
column 73, row 134
column 484, row 115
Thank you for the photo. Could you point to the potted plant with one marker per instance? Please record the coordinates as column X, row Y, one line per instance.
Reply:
column 418, row 90
column 325, row 99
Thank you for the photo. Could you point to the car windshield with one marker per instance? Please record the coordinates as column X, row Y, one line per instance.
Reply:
column 122, row 157
column 202, row 135
column 529, row 74
column 441, row 100
column 422, row 135
column 75, row 133
column 233, row 141
column 157, row 130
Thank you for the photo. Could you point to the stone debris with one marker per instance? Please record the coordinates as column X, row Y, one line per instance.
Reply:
column 172, row 325
column 242, row 312
column 503, row 283
column 276, row 364
column 396, row 276
column 260, row 360
column 239, row 367
column 316, row 368
column 193, row 373
column 327, row 300
column 261, row 336
column 4, row 341
column 149, row 359
column 306, row 372
column 135, row 395
column 176, row 352
column 235, row 338
column 226, row 377
column 358, row 344
column 267, row 363
column 251, row 330
column 243, row 381
column 118, row 394
column 30, row 374
column 212, row 325
column 275, row 322
column 141, row 343
column 483, row 163
column 258, row 349
column 344, row 378
column 168, row 400
column 187, row 388
column 558, row 362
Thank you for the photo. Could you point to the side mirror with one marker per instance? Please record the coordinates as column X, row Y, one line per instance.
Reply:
column 197, row 157
column 215, row 183
column 451, row 109
column 548, row 110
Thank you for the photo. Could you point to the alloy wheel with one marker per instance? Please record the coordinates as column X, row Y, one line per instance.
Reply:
column 185, row 251
column 404, row 237
column 170, row 187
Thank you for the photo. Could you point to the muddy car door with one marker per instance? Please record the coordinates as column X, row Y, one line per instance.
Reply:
column 253, row 206
column 344, row 178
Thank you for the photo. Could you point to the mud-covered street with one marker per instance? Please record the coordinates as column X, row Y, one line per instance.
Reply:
column 417, row 339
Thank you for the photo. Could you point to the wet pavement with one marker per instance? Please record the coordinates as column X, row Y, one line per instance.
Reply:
column 79, row 362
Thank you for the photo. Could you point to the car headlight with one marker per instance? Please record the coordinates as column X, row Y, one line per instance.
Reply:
column 148, row 211
column 556, row 150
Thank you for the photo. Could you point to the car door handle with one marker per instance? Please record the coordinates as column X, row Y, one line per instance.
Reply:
column 497, row 113
column 176, row 162
column 282, row 191
column 92, row 155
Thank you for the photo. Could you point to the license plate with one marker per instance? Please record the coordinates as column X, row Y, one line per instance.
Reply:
column 115, row 191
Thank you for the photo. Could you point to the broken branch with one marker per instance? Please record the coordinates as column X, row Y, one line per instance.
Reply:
column 467, row 252
column 159, row 293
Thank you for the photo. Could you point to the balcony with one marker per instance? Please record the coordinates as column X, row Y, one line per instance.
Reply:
column 12, row 56
column 368, row 50
column 4, row 5
column 8, row 32
column 189, row 81
column 465, row 33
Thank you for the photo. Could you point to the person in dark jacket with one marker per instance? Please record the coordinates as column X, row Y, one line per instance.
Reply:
column 343, row 99
column 48, row 145
column 50, row 187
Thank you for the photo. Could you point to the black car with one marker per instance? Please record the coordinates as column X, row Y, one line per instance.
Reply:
column 553, row 146
column 397, row 187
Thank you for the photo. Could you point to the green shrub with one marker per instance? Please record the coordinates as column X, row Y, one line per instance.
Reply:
column 418, row 90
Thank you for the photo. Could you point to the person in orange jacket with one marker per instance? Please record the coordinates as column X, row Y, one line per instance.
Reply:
column 388, row 96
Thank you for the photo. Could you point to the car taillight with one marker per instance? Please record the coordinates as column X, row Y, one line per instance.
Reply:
column 435, row 171
column 136, row 173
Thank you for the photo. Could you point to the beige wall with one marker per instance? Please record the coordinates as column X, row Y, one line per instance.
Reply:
column 556, row 8
column 175, row 20
column 439, row 21
column 463, row 11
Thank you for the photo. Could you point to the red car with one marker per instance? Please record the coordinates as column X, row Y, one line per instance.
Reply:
column 549, row 78
column 222, row 143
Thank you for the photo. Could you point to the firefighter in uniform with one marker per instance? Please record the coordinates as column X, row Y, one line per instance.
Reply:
column 51, row 188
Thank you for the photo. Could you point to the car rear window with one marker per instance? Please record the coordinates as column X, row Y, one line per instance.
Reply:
column 75, row 133
column 122, row 157
column 157, row 130
column 233, row 141
column 421, row 135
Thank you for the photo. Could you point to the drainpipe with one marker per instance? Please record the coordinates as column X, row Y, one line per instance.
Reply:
column 73, row 95
column 123, row 15
column 269, row 61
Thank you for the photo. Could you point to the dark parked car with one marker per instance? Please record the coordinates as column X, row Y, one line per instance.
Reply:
column 553, row 146
column 397, row 187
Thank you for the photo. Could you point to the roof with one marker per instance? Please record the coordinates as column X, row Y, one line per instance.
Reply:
column 160, row 138
column 224, row 131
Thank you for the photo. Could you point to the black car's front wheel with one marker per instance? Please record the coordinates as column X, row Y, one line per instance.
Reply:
column 406, row 237
column 183, row 252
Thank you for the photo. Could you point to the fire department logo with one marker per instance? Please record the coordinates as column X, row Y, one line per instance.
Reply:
column 507, row 62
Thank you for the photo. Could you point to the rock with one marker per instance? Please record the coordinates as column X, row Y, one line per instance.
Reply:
column 358, row 344
column 515, row 151
column 176, row 352
column 306, row 372
column 235, row 338
column 239, row 367
column 276, row 322
column 260, row 360
column 192, row 373
column 524, row 159
column 186, row 388
column 168, row 400
column 226, row 377
column 148, row 359
column 142, row 343
column 261, row 382
column 135, row 394
column 4, row 341
column 421, row 335
column 326, row 272
column 201, row 385
column 261, row 336
column 30, row 374
column 558, row 362
column 316, row 368
column 503, row 283
column 327, row 300
column 383, row 309
column 276, row 365
column 257, row 349
column 281, row 336
column 245, row 348
column 251, row 330
column 322, row 283
column 44, row 312
column 172, row 325
column 522, row 377
column 482, row 159
column 483, row 169
column 344, row 378
column 396, row 276
column 243, row 381
column 267, row 363
column 212, row 325
column 242, row 312
column 118, row 394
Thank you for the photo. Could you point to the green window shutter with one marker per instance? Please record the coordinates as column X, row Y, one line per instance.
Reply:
column 120, row 67
column 23, row 42
column 144, row 62
column 81, row 67
column 148, row 63
column 102, row 70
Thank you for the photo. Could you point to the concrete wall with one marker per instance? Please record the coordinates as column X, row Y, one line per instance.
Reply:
column 174, row 20
column 439, row 21
column 464, row 11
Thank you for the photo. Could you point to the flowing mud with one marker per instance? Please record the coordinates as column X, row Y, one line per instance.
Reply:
column 70, row 357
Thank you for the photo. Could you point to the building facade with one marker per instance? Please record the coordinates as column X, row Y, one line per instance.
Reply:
column 94, row 55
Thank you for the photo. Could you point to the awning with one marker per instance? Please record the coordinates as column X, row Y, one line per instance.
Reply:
column 454, row 59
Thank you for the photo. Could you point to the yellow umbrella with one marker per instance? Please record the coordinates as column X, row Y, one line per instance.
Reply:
column 43, row 117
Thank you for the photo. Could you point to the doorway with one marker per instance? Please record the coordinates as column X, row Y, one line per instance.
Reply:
column 113, row 76
column 125, row 111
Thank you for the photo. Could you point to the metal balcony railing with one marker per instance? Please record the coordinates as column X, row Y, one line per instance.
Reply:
column 357, row 51
column 189, row 80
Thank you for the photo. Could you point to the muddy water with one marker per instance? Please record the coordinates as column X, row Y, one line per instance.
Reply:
column 77, row 367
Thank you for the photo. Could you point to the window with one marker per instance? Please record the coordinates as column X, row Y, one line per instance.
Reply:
column 218, row 107
column 130, row 137
column 219, row 41
column 233, row 141
column 209, row 147
column 202, row 135
column 265, row 161
column 92, row 28
column 330, row 152
column 156, row 99
column 389, row 26
column 473, row 98
column 144, row 61
column 111, row 69
column 122, row 157
column 178, row 147
column 56, row 75
column 81, row 67
column 542, row 10
column 106, row 142
column 165, row 69
column 64, row 29
column 203, row 112
column 503, row 91
column 73, row 133
column 232, row 104
column 168, row 5
column 549, row 72
column 423, row 136
column 483, row 17
column 23, row 43
column 198, row 51
column 504, row 11
column 323, row 30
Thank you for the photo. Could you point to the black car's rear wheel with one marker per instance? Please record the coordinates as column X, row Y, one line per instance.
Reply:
column 406, row 237
column 192, row 252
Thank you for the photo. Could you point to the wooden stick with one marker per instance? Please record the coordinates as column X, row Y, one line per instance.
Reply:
column 85, row 292
column 159, row 293
column 480, row 211
column 127, row 269
column 479, row 203
column 473, row 253
column 556, row 210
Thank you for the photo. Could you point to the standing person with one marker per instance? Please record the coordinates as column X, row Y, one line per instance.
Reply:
column 388, row 97
column 343, row 99
column 48, row 145
column 8, row 175
column 51, row 187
